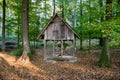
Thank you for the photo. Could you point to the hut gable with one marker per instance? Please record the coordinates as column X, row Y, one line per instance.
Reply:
column 58, row 29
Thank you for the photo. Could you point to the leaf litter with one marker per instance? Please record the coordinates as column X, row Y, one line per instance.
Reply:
column 37, row 69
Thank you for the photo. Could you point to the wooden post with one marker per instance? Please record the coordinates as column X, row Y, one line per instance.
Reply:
column 45, row 49
column 62, row 48
column 53, row 48
column 74, row 45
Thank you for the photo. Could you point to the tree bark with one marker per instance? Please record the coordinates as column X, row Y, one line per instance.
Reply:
column 101, row 42
column 105, row 48
column 89, row 51
column 81, row 14
column 54, row 7
column 105, row 55
column 63, row 9
column 81, row 43
column 108, row 17
column 90, row 20
column 74, row 14
column 3, row 26
column 45, row 9
column 26, row 45
column 18, row 34
column 101, row 19
column 118, row 12
column 108, row 9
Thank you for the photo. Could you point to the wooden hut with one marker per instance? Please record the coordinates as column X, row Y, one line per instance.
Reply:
column 59, row 40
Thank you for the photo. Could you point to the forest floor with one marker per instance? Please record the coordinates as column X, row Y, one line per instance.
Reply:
column 37, row 69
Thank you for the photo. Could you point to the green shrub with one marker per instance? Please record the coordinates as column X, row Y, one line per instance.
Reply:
column 32, row 52
column 19, row 51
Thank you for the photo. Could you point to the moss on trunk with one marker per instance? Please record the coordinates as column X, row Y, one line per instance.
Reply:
column 104, row 60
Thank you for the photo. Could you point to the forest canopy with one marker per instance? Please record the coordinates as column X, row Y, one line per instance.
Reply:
column 83, row 15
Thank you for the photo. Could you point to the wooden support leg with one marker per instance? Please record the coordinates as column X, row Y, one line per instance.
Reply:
column 45, row 56
column 62, row 48
column 74, row 45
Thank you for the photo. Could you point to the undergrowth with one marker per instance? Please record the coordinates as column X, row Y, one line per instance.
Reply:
column 18, row 52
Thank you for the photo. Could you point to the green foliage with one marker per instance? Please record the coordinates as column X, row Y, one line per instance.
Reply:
column 115, row 39
column 104, row 61
column 114, row 32
column 87, row 15
column 32, row 52
column 19, row 51
column 9, row 38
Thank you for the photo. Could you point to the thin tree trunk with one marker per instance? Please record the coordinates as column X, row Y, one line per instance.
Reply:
column 118, row 12
column 36, row 22
column 101, row 19
column 101, row 42
column 45, row 9
column 34, row 41
column 3, row 26
column 81, row 14
column 63, row 9
column 89, row 51
column 81, row 43
column 54, row 7
column 74, row 14
column 18, row 30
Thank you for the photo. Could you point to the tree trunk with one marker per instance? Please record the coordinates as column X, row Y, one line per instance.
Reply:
column 18, row 34
column 36, row 24
column 81, row 14
column 3, row 26
column 101, row 42
column 105, row 56
column 105, row 48
column 26, row 45
column 54, row 7
column 45, row 9
column 74, row 14
column 118, row 12
column 90, row 20
column 108, row 17
column 63, row 9
column 101, row 19
column 81, row 43
column 89, row 51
